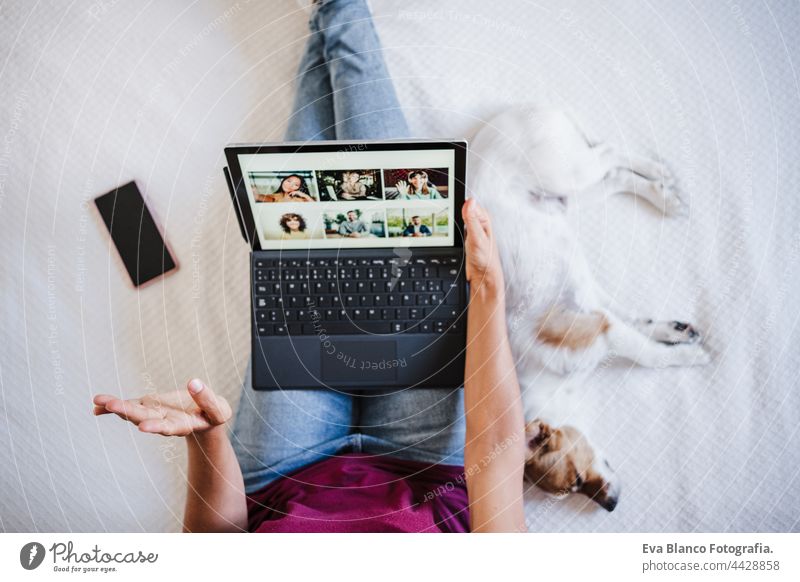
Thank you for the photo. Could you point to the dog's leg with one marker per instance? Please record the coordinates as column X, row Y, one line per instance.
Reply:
column 644, row 166
column 660, row 193
column 658, row 347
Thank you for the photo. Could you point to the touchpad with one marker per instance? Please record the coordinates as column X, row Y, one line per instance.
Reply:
column 359, row 361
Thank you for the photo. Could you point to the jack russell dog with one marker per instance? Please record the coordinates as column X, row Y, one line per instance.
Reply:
column 526, row 165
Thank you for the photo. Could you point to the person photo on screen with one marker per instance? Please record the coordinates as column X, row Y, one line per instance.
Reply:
column 293, row 188
column 416, row 228
column 351, row 187
column 418, row 187
column 293, row 226
column 353, row 227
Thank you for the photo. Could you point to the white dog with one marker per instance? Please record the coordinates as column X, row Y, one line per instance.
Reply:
column 525, row 167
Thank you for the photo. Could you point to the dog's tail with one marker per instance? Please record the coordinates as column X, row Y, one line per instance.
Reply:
column 562, row 328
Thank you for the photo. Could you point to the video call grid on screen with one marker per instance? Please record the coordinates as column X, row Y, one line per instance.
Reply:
column 322, row 190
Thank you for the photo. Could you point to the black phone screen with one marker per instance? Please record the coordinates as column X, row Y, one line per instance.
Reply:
column 135, row 233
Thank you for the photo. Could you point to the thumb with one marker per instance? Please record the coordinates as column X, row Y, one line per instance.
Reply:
column 475, row 218
column 205, row 398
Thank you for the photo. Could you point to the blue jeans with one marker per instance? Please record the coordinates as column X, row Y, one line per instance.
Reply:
column 344, row 92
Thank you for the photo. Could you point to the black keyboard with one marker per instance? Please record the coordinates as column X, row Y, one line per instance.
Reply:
column 358, row 295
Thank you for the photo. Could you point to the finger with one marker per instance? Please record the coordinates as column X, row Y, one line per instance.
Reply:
column 98, row 410
column 132, row 411
column 162, row 426
column 475, row 227
column 469, row 212
column 205, row 398
column 101, row 399
column 480, row 214
column 175, row 425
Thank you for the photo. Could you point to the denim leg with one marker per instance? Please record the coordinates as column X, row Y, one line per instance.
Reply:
column 279, row 431
column 312, row 113
column 421, row 424
column 364, row 99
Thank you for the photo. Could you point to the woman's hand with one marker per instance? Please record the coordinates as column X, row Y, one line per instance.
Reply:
column 177, row 413
column 402, row 188
column 483, row 261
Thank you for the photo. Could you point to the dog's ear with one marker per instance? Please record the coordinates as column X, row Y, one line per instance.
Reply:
column 537, row 433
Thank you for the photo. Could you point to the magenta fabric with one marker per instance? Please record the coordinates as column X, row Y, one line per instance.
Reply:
column 363, row 493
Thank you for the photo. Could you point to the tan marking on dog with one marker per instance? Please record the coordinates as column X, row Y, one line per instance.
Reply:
column 572, row 330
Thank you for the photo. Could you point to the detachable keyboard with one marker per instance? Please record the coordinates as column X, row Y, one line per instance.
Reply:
column 422, row 294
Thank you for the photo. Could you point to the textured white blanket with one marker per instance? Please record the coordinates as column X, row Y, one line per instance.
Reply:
column 96, row 93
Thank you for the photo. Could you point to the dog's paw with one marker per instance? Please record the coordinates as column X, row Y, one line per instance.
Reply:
column 689, row 355
column 669, row 332
column 679, row 355
column 666, row 194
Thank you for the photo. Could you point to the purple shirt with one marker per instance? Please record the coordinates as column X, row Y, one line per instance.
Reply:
column 363, row 493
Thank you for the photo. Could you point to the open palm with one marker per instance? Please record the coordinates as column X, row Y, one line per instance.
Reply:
column 402, row 188
column 176, row 413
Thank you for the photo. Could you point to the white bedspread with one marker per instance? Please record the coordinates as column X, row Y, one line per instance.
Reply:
column 98, row 93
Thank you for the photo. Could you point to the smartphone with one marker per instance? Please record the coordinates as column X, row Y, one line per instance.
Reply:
column 135, row 234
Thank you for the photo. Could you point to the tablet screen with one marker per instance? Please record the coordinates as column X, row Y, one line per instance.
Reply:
column 351, row 199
